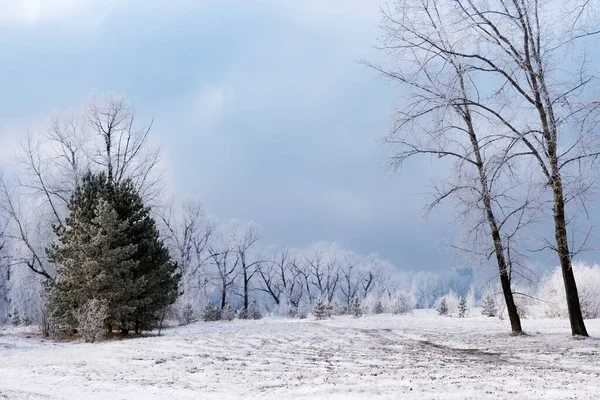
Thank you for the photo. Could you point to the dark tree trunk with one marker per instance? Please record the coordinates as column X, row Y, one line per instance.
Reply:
column 511, row 307
column 223, row 296
column 246, row 283
column 562, row 245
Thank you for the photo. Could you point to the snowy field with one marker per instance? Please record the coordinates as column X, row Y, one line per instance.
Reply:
column 416, row 356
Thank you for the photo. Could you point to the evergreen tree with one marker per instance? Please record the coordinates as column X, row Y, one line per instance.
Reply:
column 187, row 313
column 378, row 308
column 489, row 305
column 211, row 313
column 227, row 313
column 355, row 309
column 110, row 250
column 320, row 309
column 254, row 311
column 462, row 307
column 442, row 307
column 15, row 318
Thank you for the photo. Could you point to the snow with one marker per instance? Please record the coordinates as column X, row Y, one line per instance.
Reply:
column 416, row 356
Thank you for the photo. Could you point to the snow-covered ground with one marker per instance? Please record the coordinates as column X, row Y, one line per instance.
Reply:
column 416, row 356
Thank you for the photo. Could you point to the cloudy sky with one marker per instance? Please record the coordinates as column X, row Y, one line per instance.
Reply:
column 261, row 109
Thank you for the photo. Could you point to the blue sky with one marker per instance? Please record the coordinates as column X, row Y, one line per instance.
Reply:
column 260, row 106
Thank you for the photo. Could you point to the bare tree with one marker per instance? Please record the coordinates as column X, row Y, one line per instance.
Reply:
column 545, row 102
column 225, row 260
column 125, row 152
column 24, row 235
column 244, row 238
column 280, row 278
column 188, row 232
column 324, row 270
column 441, row 120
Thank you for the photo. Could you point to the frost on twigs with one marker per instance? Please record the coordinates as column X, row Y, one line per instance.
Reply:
column 91, row 319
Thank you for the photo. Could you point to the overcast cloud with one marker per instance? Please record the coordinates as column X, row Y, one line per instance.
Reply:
column 260, row 106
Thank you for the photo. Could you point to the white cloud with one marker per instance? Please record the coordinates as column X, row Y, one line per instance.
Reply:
column 211, row 102
column 84, row 13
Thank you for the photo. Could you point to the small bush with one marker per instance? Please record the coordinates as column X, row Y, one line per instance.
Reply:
column 15, row 318
column 187, row 314
column 488, row 303
column 355, row 309
column 253, row 312
column 211, row 313
column 26, row 320
column 588, row 287
column 320, row 309
column 227, row 313
column 442, row 306
column 42, row 321
column 462, row 307
column 338, row 308
column 402, row 303
column 91, row 319
column 377, row 308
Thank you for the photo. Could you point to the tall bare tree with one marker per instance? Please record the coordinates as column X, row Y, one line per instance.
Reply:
column 244, row 238
column 439, row 120
column 280, row 278
column 546, row 101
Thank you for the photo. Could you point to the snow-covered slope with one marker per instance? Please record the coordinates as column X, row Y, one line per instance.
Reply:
column 417, row 356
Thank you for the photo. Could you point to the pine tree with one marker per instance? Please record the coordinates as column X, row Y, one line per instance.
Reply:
column 110, row 250
column 489, row 305
column 254, row 311
column 15, row 318
column 355, row 309
column 320, row 310
column 378, row 308
column 187, row 313
column 442, row 307
column 211, row 313
column 227, row 313
column 462, row 307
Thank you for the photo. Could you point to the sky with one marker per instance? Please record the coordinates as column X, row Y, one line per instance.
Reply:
column 261, row 108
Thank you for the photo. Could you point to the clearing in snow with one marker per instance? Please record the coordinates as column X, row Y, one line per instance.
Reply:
column 415, row 356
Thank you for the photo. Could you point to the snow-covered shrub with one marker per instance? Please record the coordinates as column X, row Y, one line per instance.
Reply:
column 588, row 286
column 488, row 303
column 211, row 313
column 42, row 321
column 227, row 313
column 452, row 302
column 91, row 319
column 402, row 303
column 338, row 308
column 470, row 299
column 462, row 307
column 442, row 306
column 253, row 312
column 320, row 309
column 26, row 320
column 355, row 309
column 187, row 314
column 15, row 317
column 377, row 308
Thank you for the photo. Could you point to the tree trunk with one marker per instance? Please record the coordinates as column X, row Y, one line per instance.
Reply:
column 246, row 300
column 562, row 245
column 511, row 307
column 223, row 296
